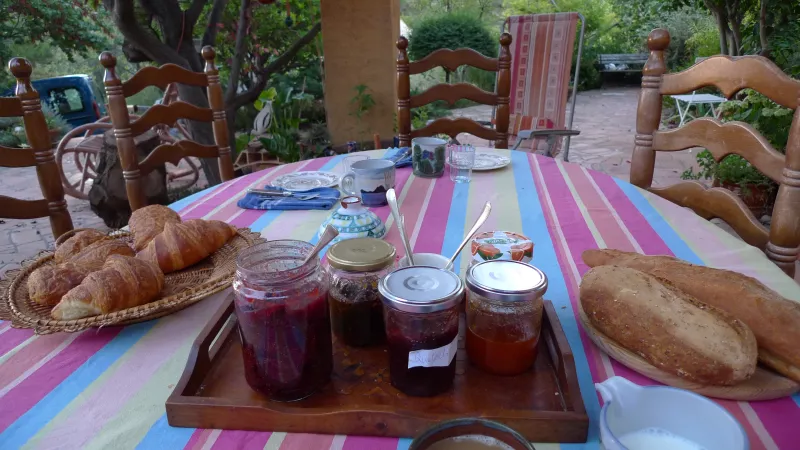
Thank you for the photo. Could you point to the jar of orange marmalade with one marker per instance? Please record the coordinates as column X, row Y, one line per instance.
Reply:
column 504, row 315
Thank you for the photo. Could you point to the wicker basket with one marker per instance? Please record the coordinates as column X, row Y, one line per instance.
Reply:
column 181, row 289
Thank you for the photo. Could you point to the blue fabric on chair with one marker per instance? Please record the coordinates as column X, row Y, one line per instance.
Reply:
column 392, row 153
column 328, row 197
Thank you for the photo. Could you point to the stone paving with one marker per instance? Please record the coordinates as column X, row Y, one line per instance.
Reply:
column 605, row 117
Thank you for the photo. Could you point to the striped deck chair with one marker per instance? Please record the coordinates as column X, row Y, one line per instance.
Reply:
column 541, row 58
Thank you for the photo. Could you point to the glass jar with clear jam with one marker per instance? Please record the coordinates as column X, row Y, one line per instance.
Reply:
column 284, row 322
column 356, row 268
column 421, row 309
column 504, row 315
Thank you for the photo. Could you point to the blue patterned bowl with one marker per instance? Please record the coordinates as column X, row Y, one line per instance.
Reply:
column 353, row 220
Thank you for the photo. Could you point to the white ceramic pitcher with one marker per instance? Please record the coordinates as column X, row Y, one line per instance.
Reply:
column 662, row 417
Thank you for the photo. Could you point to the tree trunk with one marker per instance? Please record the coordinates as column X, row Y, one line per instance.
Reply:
column 762, row 29
column 719, row 13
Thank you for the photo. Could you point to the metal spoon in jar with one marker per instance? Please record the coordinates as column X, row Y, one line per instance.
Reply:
column 487, row 208
column 327, row 236
column 391, row 197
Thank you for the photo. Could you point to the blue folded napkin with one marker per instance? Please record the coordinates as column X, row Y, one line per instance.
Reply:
column 393, row 153
column 327, row 198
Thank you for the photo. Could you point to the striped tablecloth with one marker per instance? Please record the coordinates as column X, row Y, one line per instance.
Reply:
column 103, row 389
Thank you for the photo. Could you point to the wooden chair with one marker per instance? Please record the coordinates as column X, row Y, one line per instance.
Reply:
column 451, row 60
column 730, row 75
column 40, row 155
column 126, row 129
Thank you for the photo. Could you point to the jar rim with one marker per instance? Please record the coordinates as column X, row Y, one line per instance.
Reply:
column 300, row 271
column 445, row 301
column 352, row 256
column 505, row 295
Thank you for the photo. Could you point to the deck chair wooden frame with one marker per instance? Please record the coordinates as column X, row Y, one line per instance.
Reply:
column 40, row 154
column 730, row 75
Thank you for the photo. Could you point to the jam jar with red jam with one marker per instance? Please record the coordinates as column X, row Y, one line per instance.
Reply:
column 421, row 309
column 284, row 322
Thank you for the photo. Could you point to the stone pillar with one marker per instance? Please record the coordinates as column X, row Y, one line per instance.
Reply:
column 359, row 46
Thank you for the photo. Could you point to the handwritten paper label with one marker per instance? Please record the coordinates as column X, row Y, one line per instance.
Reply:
column 437, row 357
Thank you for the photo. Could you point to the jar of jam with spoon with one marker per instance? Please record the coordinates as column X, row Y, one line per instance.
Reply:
column 504, row 315
column 356, row 268
column 284, row 323
column 421, row 309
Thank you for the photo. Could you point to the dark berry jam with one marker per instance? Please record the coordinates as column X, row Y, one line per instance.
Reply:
column 358, row 323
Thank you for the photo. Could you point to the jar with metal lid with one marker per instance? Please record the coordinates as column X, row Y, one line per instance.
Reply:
column 421, row 315
column 356, row 268
column 504, row 315
column 282, row 311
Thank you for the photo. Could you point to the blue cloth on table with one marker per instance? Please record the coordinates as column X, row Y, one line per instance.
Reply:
column 328, row 197
column 392, row 153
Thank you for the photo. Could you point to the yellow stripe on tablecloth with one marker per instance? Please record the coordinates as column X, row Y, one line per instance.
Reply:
column 601, row 243
column 275, row 441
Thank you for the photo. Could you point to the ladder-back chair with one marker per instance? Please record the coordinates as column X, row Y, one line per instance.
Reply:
column 40, row 154
column 451, row 60
column 729, row 75
column 126, row 129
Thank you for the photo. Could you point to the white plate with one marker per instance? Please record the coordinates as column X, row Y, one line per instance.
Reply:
column 490, row 161
column 305, row 181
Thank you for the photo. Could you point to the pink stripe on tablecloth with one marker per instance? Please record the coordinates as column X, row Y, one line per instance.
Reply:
column 241, row 440
column 214, row 191
column 781, row 418
column 736, row 411
column 369, row 443
column 12, row 338
column 21, row 361
column 434, row 225
column 198, row 439
column 411, row 208
column 133, row 371
column 41, row 382
column 302, row 441
column 224, row 190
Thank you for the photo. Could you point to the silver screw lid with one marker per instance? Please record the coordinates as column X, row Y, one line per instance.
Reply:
column 504, row 280
column 421, row 289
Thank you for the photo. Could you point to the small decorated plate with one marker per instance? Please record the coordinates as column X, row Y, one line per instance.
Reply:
column 490, row 161
column 305, row 181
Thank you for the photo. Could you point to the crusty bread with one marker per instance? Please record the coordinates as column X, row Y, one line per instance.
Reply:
column 76, row 243
column 670, row 329
column 774, row 320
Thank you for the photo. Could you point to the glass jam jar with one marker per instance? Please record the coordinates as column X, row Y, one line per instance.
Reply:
column 504, row 315
column 421, row 309
column 284, row 322
column 356, row 268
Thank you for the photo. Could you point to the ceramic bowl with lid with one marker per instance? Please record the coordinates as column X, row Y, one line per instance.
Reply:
column 353, row 220
column 504, row 315
column 421, row 308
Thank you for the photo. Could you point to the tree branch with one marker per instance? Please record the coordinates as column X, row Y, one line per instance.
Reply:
column 124, row 15
column 210, row 36
column 194, row 11
column 239, row 49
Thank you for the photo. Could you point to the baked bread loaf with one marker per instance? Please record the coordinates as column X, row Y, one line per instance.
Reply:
column 774, row 320
column 146, row 223
column 181, row 245
column 670, row 329
column 47, row 284
column 76, row 243
column 95, row 255
column 124, row 282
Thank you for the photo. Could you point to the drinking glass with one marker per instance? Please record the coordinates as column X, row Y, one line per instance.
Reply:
column 462, row 160
column 348, row 161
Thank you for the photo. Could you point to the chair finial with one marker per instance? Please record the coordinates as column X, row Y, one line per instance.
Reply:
column 505, row 39
column 658, row 40
column 402, row 43
column 209, row 54
column 20, row 68
column 108, row 60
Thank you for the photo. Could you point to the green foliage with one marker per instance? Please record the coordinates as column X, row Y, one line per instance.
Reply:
column 287, row 116
column 12, row 131
column 456, row 30
column 691, row 29
column 488, row 11
column 784, row 46
column 361, row 102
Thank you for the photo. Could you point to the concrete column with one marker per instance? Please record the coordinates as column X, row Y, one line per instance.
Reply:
column 359, row 46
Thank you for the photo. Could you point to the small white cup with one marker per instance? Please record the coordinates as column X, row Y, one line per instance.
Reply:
column 425, row 259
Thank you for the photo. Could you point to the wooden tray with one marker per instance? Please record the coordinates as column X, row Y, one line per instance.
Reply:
column 763, row 385
column 544, row 404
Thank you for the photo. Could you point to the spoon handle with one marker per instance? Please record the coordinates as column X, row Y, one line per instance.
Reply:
column 327, row 236
column 487, row 208
column 391, row 198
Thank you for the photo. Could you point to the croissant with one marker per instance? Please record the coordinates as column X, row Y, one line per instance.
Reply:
column 182, row 244
column 124, row 282
column 146, row 223
column 76, row 243
column 47, row 284
column 95, row 255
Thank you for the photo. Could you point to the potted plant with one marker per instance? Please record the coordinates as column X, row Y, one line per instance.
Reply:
column 12, row 131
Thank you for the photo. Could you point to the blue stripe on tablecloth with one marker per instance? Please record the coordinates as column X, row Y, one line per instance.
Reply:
column 162, row 436
column 678, row 247
column 182, row 203
column 403, row 444
column 534, row 225
column 456, row 223
column 30, row 423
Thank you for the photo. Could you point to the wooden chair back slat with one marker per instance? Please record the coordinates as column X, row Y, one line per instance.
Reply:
column 451, row 60
column 16, row 157
column 39, row 154
column 125, row 130
column 718, row 203
column 451, row 93
column 732, row 74
column 162, row 77
column 10, row 107
column 723, row 139
column 173, row 153
column 168, row 115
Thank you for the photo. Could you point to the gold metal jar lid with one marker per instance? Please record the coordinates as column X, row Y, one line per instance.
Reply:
column 361, row 254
